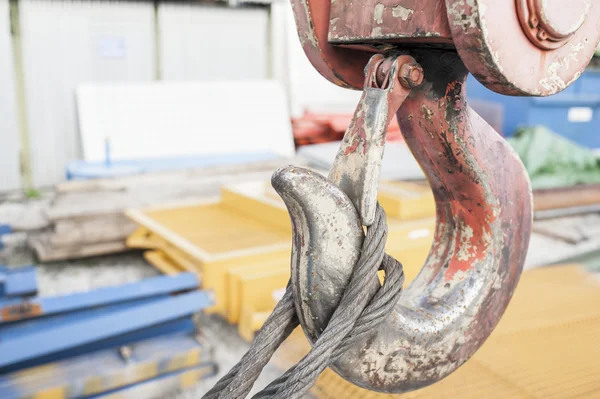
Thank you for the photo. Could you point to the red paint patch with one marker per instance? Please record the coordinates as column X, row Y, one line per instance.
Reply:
column 360, row 137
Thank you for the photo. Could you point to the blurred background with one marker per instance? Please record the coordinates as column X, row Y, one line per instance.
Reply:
column 142, row 247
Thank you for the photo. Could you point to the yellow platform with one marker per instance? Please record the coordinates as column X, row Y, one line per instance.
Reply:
column 240, row 243
column 254, row 287
column 162, row 262
column 209, row 238
column 402, row 200
column 407, row 200
column 547, row 346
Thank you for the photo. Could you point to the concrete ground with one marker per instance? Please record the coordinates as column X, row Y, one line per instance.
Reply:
column 86, row 274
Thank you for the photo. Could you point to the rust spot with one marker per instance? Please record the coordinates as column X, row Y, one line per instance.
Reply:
column 20, row 311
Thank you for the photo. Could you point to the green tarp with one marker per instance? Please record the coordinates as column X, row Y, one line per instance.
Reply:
column 553, row 161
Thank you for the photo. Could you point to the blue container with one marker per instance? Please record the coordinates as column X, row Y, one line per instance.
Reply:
column 576, row 118
column 573, row 113
column 588, row 83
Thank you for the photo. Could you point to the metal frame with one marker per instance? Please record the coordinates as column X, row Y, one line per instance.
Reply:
column 42, row 330
column 108, row 370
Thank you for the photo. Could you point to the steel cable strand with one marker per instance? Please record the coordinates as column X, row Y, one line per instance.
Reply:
column 346, row 324
column 353, row 302
column 301, row 377
column 278, row 326
column 378, row 310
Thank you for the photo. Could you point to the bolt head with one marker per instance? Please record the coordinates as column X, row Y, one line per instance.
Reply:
column 411, row 75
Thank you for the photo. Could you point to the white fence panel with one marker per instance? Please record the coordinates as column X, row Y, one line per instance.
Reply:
column 308, row 89
column 210, row 42
column 10, row 176
column 67, row 42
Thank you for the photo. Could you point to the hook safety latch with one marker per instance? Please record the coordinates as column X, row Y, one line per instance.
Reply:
column 357, row 166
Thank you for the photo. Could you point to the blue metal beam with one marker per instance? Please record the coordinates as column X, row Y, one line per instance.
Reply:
column 5, row 229
column 11, row 310
column 3, row 278
column 18, row 282
column 23, row 327
column 37, row 343
column 183, row 325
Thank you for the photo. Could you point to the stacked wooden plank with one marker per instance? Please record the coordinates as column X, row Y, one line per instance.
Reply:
column 566, row 201
column 240, row 243
column 86, row 218
column 574, row 239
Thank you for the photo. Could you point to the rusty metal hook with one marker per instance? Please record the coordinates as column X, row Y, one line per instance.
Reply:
column 484, row 216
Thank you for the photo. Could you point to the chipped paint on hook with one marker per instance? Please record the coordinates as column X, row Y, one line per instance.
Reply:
column 508, row 58
column 388, row 20
column 464, row 14
column 554, row 82
column 482, row 192
column 466, row 248
column 378, row 13
column 404, row 13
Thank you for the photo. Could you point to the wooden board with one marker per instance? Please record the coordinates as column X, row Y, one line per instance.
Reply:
column 572, row 230
column 212, row 239
column 46, row 252
column 118, row 198
column 566, row 197
column 161, row 261
column 214, row 230
column 160, row 178
column 92, row 230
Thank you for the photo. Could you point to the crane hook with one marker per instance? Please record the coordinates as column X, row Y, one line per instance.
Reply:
column 484, row 217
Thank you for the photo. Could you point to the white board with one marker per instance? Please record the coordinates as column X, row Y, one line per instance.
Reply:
column 170, row 119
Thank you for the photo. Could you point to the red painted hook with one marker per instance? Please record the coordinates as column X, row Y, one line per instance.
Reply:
column 484, row 215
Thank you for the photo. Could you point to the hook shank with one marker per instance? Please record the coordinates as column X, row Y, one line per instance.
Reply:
column 357, row 165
